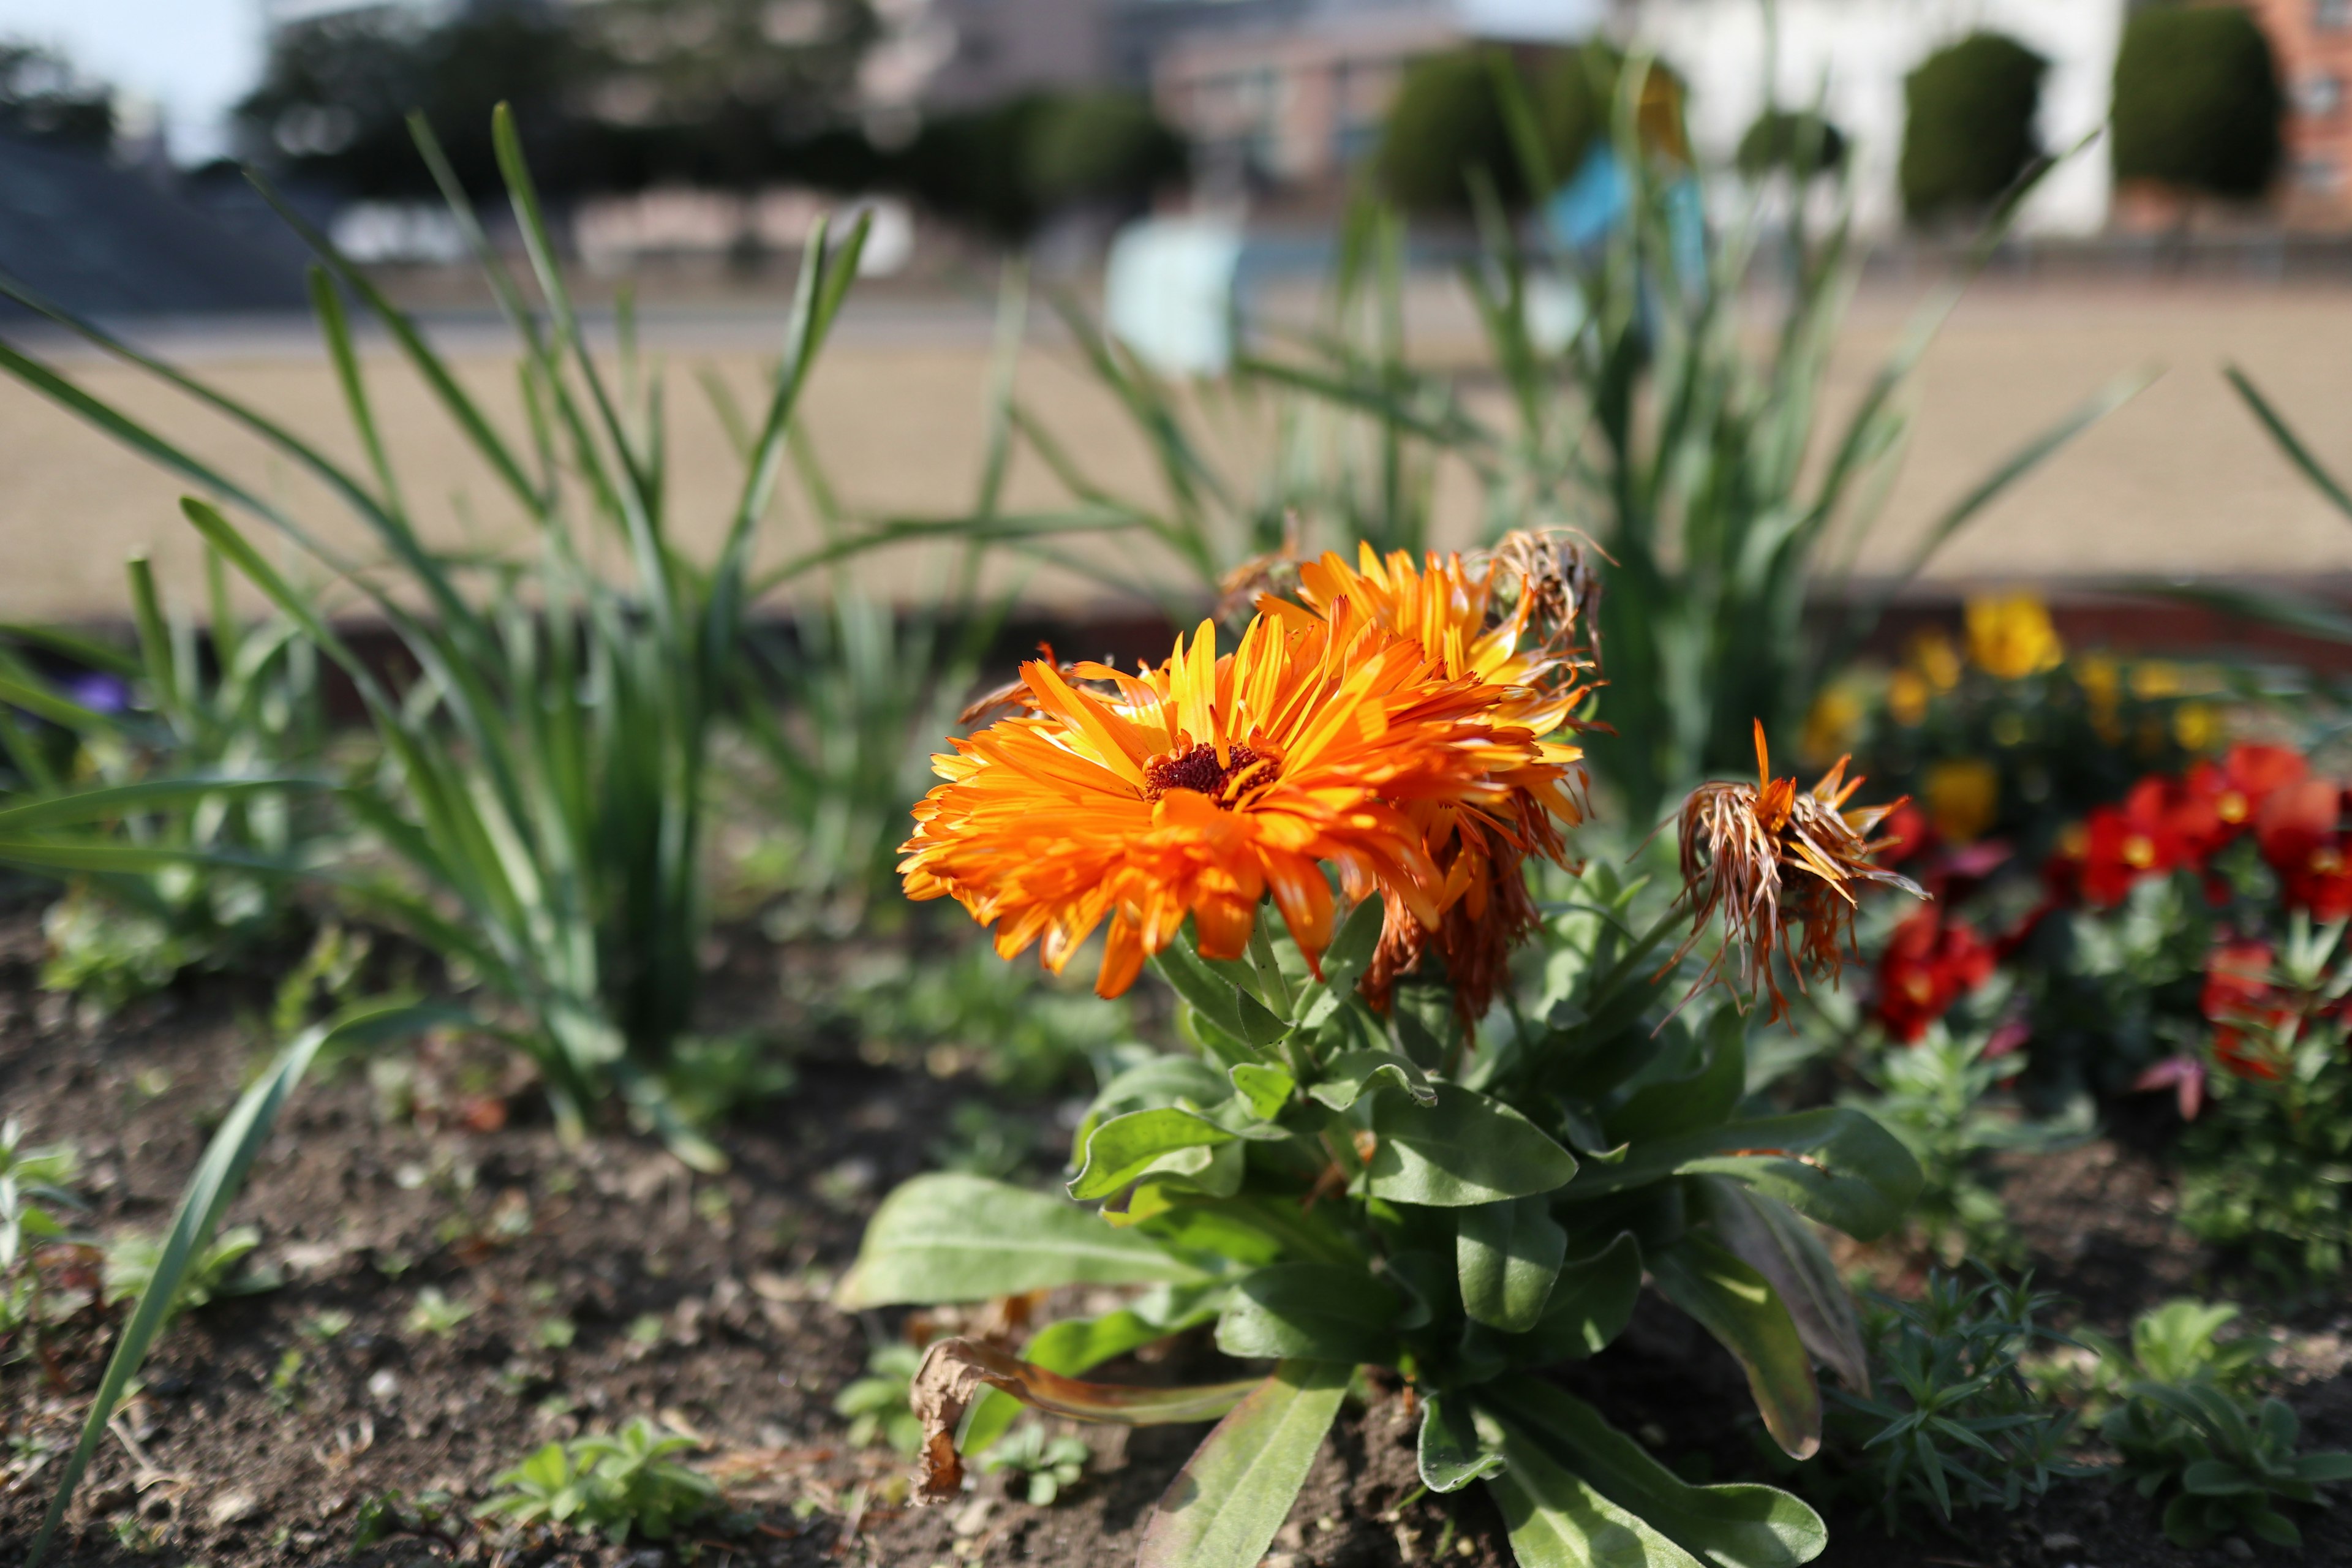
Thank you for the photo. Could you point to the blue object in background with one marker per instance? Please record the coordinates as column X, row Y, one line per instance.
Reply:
column 1583, row 212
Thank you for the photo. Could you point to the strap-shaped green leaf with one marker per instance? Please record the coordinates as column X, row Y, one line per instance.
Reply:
column 1590, row 1304
column 1781, row 1245
column 1736, row 1304
column 1509, row 1255
column 1129, row 1146
column 1835, row 1165
column 1700, row 1099
column 1266, row 1089
column 1344, row 962
column 1321, row 1311
column 1734, row 1526
column 1466, row 1149
column 1352, row 1075
column 951, row 1237
column 1451, row 1456
column 1558, row 1519
column 1223, row 1507
column 1218, row 999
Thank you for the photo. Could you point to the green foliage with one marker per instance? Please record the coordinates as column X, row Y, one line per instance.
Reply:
column 1473, row 1218
column 33, row 1185
column 713, row 1076
column 209, row 1272
column 1793, row 141
column 2232, row 1461
column 1009, row 168
column 1942, row 1095
column 624, row 1485
column 1450, row 125
column 219, row 886
column 1952, row 1422
column 1020, row 1027
column 2181, row 1342
column 876, row 1403
column 44, row 99
column 1050, row 1464
column 1967, row 125
column 436, row 1314
column 2197, row 100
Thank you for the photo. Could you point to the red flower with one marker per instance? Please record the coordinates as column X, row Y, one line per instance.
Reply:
column 1928, row 964
column 1907, row 834
column 2139, row 839
column 2239, row 1000
column 2300, row 830
column 2223, row 799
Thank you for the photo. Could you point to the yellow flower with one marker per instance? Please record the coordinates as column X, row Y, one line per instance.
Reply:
column 1935, row 659
column 1906, row 697
column 2195, row 726
column 1961, row 796
column 1830, row 728
column 2012, row 637
column 2155, row 677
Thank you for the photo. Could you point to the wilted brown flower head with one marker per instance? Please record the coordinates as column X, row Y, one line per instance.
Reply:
column 1559, row 583
column 1783, row 866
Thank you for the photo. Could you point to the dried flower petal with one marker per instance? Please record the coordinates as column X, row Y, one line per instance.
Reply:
column 1782, row 866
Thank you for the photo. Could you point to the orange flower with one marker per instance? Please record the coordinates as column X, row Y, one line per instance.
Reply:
column 1199, row 787
column 1472, row 622
column 1774, row 860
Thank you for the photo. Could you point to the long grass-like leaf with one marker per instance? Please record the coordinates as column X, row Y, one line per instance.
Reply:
column 2300, row 455
column 218, row 1176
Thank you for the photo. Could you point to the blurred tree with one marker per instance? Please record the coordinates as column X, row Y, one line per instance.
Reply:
column 44, row 99
column 1448, row 118
column 1786, row 139
column 2197, row 102
column 610, row 96
column 1008, row 168
column 1968, row 131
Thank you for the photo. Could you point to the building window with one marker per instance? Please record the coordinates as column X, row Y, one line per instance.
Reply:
column 2320, row 95
column 2319, row 174
column 2331, row 15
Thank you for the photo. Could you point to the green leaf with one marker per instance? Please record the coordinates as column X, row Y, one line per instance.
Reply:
column 1451, row 1456
column 1128, row 1147
column 1835, row 1165
column 1318, row 1311
column 1733, row 1526
column 1509, row 1255
column 951, row 1237
column 1590, row 1303
column 218, row 1176
column 1466, row 1149
column 2216, row 1478
column 1557, row 1519
column 1352, row 1075
column 1701, row 1099
column 1782, row 1246
column 1266, row 1089
column 1224, row 1506
column 1218, row 999
column 1259, row 1027
column 1344, row 962
column 1735, row 1304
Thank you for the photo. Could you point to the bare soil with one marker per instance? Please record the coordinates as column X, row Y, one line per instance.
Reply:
column 702, row 1301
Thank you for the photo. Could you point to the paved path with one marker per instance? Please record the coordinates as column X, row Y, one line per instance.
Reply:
column 2180, row 480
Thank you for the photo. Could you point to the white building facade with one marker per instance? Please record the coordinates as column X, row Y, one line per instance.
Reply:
column 1854, row 54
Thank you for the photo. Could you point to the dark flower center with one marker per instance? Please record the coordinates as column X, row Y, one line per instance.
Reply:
column 1199, row 770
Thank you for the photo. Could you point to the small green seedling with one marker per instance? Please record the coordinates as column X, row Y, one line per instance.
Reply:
column 436, row 1314
column 622, row 1485
column 1050, row 1463
column 214, row 1272
column 31, row 1178
column 876, row 1403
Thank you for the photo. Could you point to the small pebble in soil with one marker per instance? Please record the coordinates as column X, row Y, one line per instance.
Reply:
column 2061, row 1541
column 382, row 1385
column 2237, row 1549
column 232, row 1508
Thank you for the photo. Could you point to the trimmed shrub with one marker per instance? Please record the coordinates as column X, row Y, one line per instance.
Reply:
column 1968, row 131
column 1448, row 119
column 1785, row 138
column 1007, row 168
column 2197, row 102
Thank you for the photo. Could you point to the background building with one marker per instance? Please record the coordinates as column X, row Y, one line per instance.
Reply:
column 2312, row 41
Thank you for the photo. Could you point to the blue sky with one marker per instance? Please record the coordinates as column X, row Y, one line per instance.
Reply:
column 195, row 57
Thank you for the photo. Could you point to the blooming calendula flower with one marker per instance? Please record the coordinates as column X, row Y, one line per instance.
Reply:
column 1197, row 788
column 1512, row 623
column 1778, row 861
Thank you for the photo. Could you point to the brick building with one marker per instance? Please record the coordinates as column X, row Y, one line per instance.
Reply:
column 2312, row 42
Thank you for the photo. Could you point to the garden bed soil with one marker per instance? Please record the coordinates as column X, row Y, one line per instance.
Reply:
column 701, row 1302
